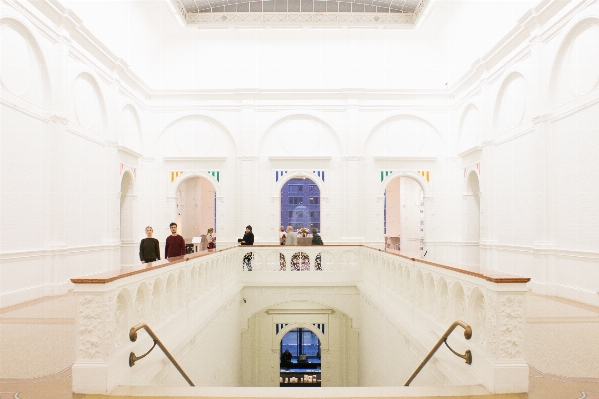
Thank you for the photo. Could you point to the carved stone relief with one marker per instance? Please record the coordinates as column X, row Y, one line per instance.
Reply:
column 511, row 321
column 89, row 316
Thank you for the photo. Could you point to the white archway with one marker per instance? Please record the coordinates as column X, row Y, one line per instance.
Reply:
column 408, row 221
column 177, row 216
column 406, row 173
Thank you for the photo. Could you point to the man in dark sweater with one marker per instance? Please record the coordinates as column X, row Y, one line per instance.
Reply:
column 175, row 244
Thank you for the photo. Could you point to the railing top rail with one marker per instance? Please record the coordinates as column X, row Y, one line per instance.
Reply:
column 107, row 277
column 488, row 275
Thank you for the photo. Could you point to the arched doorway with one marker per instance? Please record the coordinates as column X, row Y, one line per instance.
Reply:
column 300, row 204
column 127, row 206
column 404, row 215
column 471, row 218
column 300, row 358
column 195, row 207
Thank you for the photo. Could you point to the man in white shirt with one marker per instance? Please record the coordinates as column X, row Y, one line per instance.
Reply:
column 291, row 237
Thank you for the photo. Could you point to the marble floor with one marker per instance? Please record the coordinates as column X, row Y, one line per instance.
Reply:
column 37, row 349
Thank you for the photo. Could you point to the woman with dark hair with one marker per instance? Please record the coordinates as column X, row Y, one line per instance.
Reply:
column 248, row 237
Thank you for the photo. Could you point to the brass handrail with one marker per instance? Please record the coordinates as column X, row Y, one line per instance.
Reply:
column 443, row 340
column 133, row 358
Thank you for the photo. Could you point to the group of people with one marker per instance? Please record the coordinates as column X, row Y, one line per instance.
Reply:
column 149, row 248
column 287, row 237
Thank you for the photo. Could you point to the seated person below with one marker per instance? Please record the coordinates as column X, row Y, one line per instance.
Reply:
column 286, row 358
column 248, row 237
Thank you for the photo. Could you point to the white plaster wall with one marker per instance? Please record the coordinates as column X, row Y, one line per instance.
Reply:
column 212, row 357
column 386, row 357
column 534, row 140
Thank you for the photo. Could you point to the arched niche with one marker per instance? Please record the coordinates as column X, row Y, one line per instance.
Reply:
column 195, row 136
column 471, row 220
column 468, row 135
column 131, row 136
column 511, row 106
column 575, row 70
column 88, row 103
column 404, row 136
column 127, row 219
column 23, row 69
column 300, row 135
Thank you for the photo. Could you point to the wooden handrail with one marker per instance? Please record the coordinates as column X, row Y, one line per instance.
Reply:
column 133, row 358
column 443, row 340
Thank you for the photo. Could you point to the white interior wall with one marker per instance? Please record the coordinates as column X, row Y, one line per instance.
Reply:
column 212, row 357
column 537, row 130
column 386, row 357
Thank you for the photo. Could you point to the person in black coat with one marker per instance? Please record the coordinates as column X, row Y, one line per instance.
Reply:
column 248, row 237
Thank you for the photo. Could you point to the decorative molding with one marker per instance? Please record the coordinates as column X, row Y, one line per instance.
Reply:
column 63, row 120
column 194, row 159
column 300, row 158
column 248, row 158
column 300, row 311
column 129, row 151
column 511, row 320
column 286, row 19
column 386, row 158
column 89, row 322
column 472, row 150
column 350, row 158
column 111, row 143
column 147, row 159
column 541, row 118
column 487, row 143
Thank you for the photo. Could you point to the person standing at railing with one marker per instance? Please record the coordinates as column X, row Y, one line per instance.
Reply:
column 149, row 248
column 211, row 239
column 175, row 244
column 248, row 237
column 291, row 238
column 316, row 240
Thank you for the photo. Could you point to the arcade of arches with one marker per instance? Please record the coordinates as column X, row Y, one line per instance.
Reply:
column 468, row 140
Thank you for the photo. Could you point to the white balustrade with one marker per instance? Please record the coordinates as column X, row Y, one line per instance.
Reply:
column 419, row 297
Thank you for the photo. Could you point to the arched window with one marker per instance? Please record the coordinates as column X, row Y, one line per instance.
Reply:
column 300, row 204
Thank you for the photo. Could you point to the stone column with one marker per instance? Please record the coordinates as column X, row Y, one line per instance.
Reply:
column 353, row 179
